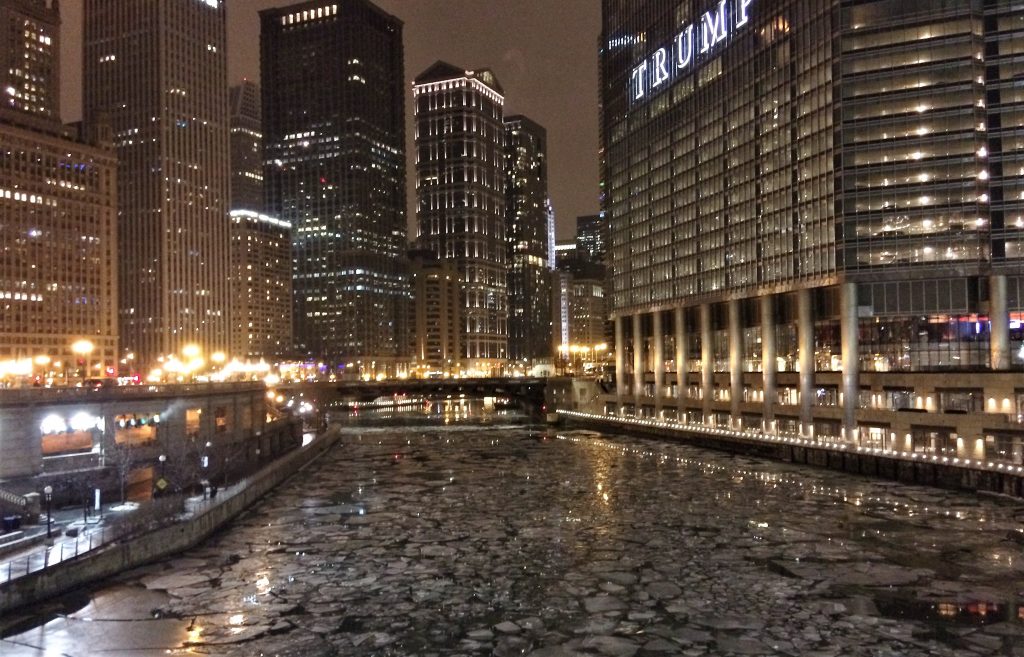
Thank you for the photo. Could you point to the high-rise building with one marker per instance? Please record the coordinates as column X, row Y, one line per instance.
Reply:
column 157, row 73
column 526, row 226
column 30, row 63
column 460, row 187
column 261, row 285
column 261, row 247
column 335, row 170
column 58, row 211
column 592, row 237
column 578, row 309
column 567, row 255
column 817, row 217
column 246, row 124
column 437, row 324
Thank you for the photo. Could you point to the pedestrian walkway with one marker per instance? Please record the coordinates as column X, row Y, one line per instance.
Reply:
column 88, row 532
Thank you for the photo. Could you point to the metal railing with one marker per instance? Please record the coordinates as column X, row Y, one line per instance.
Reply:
column 13, row 499
column 115, row 526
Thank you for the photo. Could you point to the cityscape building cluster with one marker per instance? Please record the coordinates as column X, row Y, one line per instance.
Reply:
column 263, row 221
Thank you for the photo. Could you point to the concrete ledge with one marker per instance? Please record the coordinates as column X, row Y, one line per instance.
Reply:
column 940, row 472
column 118, row 557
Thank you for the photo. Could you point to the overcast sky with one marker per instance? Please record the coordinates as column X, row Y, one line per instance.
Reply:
column 544, row 53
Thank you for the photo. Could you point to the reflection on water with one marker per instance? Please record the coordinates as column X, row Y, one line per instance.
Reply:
column 458, row 529
column 452, row 409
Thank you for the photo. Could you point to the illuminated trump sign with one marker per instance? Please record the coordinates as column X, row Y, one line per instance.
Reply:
column 695, row 42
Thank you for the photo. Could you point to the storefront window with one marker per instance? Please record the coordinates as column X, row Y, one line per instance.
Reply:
column 828, row 350
column 787, row 348
column 752, row 349
column 962, row 401
column 933, row 440
column 936, row 342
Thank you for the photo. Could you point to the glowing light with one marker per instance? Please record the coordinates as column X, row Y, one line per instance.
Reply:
column 84, row 422
column 53, row 424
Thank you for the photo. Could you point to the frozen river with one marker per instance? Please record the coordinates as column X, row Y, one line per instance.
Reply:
column 509, row 540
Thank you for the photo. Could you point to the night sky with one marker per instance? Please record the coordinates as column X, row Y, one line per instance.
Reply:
column 544, row 53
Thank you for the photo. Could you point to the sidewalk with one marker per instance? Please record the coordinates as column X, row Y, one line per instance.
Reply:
column 92, row 532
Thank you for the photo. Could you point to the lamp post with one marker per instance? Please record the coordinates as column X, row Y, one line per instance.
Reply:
column 83, row 348
column 48, row 492
column 163, row 469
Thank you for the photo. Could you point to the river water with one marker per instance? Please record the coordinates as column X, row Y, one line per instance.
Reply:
column 470, row 534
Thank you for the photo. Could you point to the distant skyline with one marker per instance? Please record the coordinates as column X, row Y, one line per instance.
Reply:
column 544, row 54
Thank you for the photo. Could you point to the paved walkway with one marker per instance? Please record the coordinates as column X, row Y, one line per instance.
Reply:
column 92, row 532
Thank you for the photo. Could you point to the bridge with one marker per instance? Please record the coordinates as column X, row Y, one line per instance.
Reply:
column 327, row 393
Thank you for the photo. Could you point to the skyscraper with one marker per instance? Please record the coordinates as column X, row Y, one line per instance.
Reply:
column 335, row 170
column 246, row 124
column 58, row 251
column 460, row 187
column 592, row 237
column 261, row 245
column 156, row 72
column 526, row 225
column 437, row 322
column 261, row 284
column 816, row 208
column 30, row 63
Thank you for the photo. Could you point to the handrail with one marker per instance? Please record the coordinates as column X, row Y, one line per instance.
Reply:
column 13, row 499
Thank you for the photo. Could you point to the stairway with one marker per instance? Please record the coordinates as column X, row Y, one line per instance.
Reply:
column 12, row 502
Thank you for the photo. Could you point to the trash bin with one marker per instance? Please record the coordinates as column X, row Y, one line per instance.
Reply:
column 11, row 523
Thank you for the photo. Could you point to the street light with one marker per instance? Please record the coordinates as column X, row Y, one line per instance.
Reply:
column 163, row 465
column 48, row 492
column 83, row 348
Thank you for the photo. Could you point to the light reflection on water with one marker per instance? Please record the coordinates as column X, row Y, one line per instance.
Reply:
column 473, row 501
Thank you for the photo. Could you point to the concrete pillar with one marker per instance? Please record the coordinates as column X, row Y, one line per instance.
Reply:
column 681, row 353
column 620, row 363
column 805, row 340
column 769, row 358
column 21, row 445
column 707, row 355
column 850, row 334
column 638, row 360
column 999, row 315
column 657, row 331
column 735, row 360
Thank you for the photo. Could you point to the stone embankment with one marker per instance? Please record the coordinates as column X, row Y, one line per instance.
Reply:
column 910, row 468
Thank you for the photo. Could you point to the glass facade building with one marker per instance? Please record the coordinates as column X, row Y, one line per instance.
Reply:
column 812, row 204
column 526, row 226
column 334, row 168
column 246, row 147
column 460, row 189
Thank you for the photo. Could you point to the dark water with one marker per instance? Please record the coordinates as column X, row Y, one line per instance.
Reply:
column 470, row 532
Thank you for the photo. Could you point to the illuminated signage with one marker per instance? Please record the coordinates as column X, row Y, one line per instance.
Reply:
column 696, row 41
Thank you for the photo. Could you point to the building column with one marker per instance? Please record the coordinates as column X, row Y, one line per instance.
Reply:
column 735, row 361
column 620, row 363
column 659, row 362
column 679, row 318
column 638, row 361
column 769, row 359
column 999, row 315
column 707, row 373
column 805, row 340
column 850, row 335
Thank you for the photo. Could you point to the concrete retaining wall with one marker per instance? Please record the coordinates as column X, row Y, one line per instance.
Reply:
column 118, row 557
column 939, row 475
